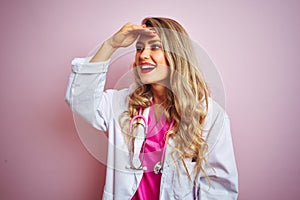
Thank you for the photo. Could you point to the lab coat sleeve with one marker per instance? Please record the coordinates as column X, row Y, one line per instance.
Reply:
column 222, row 170
column 85, row 93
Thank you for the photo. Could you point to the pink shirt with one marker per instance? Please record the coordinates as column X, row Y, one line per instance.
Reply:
column 149, row 186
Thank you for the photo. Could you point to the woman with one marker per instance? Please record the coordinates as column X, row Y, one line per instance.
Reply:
column 167, row 138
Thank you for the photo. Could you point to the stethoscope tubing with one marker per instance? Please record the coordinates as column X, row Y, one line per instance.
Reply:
column 141, row 167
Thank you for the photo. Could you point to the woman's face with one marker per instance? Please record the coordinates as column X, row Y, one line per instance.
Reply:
column 150, row 61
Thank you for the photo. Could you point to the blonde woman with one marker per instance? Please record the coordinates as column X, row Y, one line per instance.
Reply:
column 167, row 138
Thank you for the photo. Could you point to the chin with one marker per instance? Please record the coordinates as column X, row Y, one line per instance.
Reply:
column 147, row 81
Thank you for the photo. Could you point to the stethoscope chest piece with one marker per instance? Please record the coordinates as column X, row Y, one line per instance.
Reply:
column 158, row 167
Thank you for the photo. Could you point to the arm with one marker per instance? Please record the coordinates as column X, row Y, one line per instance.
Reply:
column 123, row 38
column 85, row 90
column 86, row 83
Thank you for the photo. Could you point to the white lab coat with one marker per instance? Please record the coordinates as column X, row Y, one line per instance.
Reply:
column 102, row 109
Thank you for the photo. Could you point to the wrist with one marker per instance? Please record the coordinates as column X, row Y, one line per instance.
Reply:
column 109, row 45
column 104, row 53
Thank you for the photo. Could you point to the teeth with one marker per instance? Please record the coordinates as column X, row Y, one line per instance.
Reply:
column 144, row 67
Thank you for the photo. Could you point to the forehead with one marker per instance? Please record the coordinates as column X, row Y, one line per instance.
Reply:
column 148, row 39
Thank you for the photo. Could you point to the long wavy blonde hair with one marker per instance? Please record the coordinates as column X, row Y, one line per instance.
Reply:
column 187, row 97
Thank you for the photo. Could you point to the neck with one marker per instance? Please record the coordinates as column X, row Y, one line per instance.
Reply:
column 159, row 93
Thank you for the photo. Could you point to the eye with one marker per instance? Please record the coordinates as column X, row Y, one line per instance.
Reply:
column 139, row 48
column 156, row 47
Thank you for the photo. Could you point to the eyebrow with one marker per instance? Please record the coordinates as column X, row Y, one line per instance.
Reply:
column 149, row 42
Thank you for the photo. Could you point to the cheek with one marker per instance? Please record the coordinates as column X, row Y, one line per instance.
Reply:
column 160, row 58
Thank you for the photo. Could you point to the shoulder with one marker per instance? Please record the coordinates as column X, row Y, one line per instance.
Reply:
column 115, row 101
column 118, row 95
column 215, row 111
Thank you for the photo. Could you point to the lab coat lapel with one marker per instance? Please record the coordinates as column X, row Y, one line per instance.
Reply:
column 170, row 159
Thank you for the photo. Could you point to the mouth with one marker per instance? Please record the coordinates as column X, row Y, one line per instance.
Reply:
column 147, row 67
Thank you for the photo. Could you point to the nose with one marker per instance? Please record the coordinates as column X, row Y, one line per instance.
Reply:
column 145, row 53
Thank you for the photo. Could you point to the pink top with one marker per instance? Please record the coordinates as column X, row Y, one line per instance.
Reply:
column 149, row 186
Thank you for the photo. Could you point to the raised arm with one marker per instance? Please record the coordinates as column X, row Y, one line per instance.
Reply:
column 123, row 38
column 85, row 93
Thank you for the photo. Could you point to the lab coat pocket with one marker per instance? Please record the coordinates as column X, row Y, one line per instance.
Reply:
column 183, row 181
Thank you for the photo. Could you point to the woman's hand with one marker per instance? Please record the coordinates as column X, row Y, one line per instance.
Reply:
column 128, row 34
column 123, row 38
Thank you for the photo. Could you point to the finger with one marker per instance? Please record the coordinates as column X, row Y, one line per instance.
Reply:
column 135, row 27
column 135, row 30
column 141, row 28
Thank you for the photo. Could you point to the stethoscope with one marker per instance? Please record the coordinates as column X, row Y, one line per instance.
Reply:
column 158, row 166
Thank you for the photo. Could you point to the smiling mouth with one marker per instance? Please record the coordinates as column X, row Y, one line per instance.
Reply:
column 147, row 68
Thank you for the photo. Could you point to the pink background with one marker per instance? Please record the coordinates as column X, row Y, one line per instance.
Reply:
column 255, row 45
